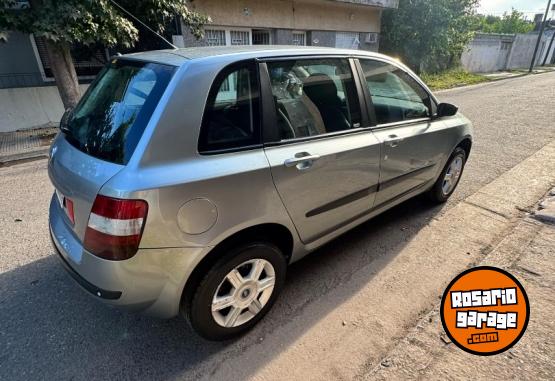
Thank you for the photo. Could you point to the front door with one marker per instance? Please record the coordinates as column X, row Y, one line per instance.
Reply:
column 413, row 144
column 325, row 166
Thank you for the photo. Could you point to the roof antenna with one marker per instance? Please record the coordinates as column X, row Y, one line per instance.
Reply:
column 142, row 23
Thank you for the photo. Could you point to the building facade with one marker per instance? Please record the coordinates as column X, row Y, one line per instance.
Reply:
column 353, row 24
column 28, row 96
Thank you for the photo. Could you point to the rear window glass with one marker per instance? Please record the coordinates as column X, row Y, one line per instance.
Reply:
column 112, row 115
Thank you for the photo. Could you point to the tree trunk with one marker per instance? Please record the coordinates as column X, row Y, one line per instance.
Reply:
column 62, row 67
column 64, row 72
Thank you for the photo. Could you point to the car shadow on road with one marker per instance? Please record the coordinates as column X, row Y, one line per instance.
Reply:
column 51, row 330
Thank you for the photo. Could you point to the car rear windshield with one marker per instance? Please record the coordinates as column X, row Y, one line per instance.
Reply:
column 112, row 115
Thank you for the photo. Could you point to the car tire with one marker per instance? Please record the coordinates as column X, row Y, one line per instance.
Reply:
column 245, row 298
column 443, row 189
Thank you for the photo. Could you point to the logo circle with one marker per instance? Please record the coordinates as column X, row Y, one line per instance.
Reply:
column 485, row 310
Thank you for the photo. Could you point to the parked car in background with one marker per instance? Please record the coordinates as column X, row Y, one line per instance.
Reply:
column 187, row 180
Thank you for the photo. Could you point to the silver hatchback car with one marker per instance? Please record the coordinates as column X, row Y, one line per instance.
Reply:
column 187, row 180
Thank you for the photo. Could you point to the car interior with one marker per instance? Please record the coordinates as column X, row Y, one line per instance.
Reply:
column 308, row 100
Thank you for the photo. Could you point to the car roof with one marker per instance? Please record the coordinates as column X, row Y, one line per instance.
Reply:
column 177, row 57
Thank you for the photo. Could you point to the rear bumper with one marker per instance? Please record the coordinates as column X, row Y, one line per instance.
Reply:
column 151, row 282
column 95, row 290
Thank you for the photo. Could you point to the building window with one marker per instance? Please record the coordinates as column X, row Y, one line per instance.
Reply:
column 215, row 37
column 261, row 37
column 219, row 36
column 371, row 38
column 240, row 37
column 347, row 40
column 88, row 60
column 299, row 38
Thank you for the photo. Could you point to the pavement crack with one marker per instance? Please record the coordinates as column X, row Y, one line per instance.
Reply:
column 528, row 271
column 487, row 209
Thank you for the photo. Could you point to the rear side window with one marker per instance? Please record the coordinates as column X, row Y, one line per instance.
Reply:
column 396, row 95
column 112, row 115
column 313, row 96
column 231, row 117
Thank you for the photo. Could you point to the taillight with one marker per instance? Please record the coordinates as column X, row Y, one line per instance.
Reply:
column 115, row 227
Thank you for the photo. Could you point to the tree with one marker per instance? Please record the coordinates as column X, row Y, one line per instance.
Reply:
column 89, row 22
column 514, row 22
column 428, row 34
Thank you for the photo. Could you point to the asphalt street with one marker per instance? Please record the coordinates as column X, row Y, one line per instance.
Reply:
column 50, row 329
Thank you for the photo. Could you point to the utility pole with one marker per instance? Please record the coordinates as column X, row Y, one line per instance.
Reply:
column 549, row 47
column 539, row 36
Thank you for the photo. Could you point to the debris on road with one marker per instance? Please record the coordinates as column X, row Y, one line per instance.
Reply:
column 386, row 363
column 546, row 209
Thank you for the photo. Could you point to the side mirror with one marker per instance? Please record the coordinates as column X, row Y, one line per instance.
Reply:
column 446, row 109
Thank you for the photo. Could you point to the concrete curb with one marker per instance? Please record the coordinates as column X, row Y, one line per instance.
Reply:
column 22, row 157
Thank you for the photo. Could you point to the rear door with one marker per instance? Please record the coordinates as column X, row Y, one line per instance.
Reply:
column 324, row 158
column 413, row 143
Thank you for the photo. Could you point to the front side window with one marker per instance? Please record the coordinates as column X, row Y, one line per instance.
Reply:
column 231, row 116
column 396, row 95
column 313, row 96
column 112, row 115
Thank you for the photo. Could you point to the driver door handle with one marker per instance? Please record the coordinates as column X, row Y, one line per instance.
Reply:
column 393, row 141
column 302, row 160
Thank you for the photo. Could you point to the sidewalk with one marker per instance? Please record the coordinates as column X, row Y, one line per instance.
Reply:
column 527, row 253
column 25, row 145
column 517, row 72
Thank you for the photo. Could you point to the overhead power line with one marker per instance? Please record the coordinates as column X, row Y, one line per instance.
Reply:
column 142, row 23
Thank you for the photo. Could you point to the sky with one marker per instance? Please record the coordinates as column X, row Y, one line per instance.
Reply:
column 497, row 7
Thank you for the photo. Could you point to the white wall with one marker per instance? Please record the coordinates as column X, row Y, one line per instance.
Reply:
column 484, row 52
column 521, row 54
column 30, row 107
column 488, row 52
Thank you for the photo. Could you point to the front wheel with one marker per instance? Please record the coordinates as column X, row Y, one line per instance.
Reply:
column 238, row 291
column 449, row 177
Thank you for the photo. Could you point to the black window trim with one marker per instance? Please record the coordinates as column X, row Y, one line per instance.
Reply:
column 370, row 104
column 268, row 112
column 257, row 119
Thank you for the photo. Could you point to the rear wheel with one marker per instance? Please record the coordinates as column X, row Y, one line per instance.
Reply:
column 237, row 291
column 449, row 177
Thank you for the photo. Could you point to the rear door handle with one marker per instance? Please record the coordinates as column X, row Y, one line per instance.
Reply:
column 302, row 160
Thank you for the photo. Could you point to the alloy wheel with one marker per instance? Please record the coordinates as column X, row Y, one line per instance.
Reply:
column 243, row 293
column 452, row 175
